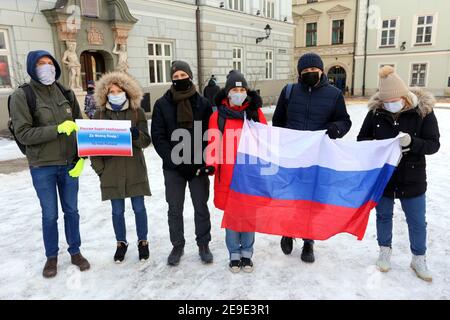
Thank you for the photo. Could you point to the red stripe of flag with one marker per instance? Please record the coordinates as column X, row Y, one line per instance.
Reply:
column 293, row 218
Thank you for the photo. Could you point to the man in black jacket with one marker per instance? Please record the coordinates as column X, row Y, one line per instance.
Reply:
column 211, row 90
column 182, row 112
column 312, row 104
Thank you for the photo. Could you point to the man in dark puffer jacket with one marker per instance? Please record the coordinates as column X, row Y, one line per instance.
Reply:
column 312, row 104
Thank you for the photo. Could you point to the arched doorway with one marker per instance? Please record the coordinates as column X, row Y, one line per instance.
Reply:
column 338, row 77
column 92, row 66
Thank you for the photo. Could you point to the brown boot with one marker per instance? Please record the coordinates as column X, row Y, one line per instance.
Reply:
column 80, row 262
column 50, row 268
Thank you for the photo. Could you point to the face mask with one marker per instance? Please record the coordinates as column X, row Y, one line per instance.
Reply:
column 310, row 78
column 394, row 107
column 237, row 98
column 46, row 74
column 117, row 99
column 182, row 85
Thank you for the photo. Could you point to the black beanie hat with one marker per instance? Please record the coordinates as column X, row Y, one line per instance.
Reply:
column 309, row 60
column 235, row 79
column 183, row 66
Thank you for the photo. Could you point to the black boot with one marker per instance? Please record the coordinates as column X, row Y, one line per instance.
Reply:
column 308, row 252
column 175, row 256
column 247, row 265
column 144, row 253
column 205, row 254
column 286, row 245
column 120, row 252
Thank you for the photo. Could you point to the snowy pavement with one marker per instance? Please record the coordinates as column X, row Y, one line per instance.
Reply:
column 9, row 150
column 344, row 267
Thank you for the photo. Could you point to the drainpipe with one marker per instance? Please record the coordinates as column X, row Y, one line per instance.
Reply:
column 354, row 46
column 365, row 49
column 199, row 47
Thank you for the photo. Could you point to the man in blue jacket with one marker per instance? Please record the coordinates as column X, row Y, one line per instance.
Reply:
column 312, row 104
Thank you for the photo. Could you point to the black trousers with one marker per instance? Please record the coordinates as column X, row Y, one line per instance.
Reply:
column 175, row 194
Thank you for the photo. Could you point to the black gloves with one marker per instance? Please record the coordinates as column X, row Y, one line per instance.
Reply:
column 188, row 171
column 333, row 131
column 206, row 171
column 134, row 133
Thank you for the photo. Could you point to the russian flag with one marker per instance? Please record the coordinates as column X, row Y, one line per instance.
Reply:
column 302, row 184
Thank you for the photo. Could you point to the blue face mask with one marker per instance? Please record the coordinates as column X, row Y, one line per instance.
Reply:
column 237, row 98
column 46, row 74
column 394, row 107
column 117, row 100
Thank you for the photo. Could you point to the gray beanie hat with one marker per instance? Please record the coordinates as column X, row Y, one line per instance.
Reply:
column 183, row 66
column 235, row 79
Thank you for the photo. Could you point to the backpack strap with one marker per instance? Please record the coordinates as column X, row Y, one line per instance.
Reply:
column 221, row 122
column 288, row 94
column 289, row 88
column 31, row 100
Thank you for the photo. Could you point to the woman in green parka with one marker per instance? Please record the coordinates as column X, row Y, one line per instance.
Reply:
column 118, row 97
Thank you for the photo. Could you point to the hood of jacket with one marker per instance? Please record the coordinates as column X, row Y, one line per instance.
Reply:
column 32, row 59
column 128, row 84
column 425, row 102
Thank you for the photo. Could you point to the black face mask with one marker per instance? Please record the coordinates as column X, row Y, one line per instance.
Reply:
column 182, row 85
column 310, row 78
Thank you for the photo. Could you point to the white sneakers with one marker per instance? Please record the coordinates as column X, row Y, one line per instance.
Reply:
column 418, row 264
column 384, row 259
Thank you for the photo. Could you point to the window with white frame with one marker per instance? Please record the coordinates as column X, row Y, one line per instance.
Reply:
column 269, row 8
column 311, row 34
column 418, row 75
column 5, row 61
column 388, row 32
column 269, row 64
column 337, row 32
column 424, row 29
column 237, row 59
column 160, row 61
column 237, row 5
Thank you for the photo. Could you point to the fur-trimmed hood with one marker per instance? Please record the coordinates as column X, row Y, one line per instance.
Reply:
column 128, row 84
column 254, row 99
column 424, row 101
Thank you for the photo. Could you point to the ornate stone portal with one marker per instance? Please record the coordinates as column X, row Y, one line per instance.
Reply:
column 99, row 27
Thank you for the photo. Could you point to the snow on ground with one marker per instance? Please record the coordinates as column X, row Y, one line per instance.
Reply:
column 344, row 267
column 9, row 150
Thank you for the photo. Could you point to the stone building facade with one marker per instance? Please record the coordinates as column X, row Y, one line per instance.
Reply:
column 152, row 33
column 328, row 28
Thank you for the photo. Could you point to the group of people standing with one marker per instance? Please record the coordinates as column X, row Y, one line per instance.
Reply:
column 311, row 104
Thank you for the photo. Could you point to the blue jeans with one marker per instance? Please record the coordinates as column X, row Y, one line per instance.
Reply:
column 118, row 217
column 47, row 181
column 414, row 209
column 239, row 244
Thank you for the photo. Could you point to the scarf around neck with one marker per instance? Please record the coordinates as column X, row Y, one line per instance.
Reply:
column 185, row 115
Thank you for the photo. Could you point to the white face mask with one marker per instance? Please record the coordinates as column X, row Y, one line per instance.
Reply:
column 117, row 99
column 237, row 98
column 46, row 74
column 394, row 107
